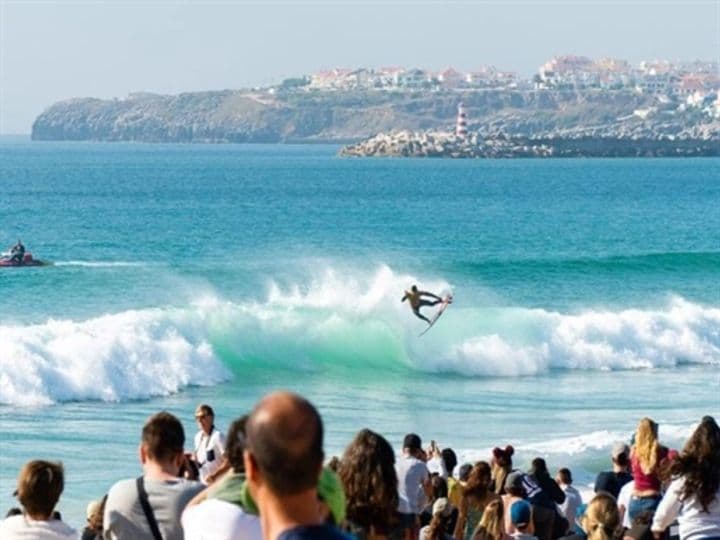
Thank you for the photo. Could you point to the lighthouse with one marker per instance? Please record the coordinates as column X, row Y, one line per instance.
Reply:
column 461, row 124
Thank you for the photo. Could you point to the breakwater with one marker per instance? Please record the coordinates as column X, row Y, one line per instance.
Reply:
column 447, row 145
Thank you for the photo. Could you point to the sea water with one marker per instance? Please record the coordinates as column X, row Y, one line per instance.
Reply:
column 587, row 295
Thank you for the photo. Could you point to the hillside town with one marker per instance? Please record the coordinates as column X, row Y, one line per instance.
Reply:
column 681, row 85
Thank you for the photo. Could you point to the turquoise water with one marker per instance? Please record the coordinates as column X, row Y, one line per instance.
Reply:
column 587, row 295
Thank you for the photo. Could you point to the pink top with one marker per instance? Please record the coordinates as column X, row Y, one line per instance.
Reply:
column 649, row 482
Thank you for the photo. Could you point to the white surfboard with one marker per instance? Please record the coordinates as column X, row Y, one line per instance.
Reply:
column 443, row 306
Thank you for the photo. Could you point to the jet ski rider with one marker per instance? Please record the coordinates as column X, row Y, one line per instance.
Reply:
column 17, row 252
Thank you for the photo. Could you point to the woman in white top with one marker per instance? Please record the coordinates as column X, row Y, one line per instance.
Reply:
column 209, row 450
column 693, row 496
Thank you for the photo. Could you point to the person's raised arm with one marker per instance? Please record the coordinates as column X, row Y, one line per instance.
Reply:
column 404, row 298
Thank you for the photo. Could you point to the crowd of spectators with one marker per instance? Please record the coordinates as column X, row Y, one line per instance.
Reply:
column 267, row 480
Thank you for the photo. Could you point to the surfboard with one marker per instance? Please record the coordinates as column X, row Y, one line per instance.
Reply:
column 443, row 306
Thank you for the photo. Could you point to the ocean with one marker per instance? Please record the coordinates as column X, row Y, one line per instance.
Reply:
column 587, row 295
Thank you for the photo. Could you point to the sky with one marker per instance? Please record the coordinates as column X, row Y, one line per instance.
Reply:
column 52, row 50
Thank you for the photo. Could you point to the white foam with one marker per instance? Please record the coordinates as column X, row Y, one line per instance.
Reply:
column 682, row 332
column 130, row 355
column 332, row 320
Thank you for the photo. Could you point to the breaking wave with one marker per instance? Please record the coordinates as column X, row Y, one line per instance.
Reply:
column 339, row 324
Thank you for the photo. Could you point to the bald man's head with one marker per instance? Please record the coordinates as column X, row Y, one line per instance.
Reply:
column 285, row 438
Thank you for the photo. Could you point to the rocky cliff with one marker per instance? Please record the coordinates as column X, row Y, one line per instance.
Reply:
column 301, row 116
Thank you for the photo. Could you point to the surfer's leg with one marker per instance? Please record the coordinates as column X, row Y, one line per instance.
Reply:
column 421, row 316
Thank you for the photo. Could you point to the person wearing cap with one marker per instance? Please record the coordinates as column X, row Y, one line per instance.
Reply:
column 517, row 487
column 612, row 481
column 94, row 517
column 521, row 518
column 438, row 490
column 283, row 461
column 209, row 448
column 457, row 487
column 441, row 516
column 413, row 485
column 39, row 486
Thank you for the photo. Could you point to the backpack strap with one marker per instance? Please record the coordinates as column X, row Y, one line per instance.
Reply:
column 147, row 509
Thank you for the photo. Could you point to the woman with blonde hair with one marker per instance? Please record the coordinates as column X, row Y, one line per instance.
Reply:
column 492, row 523
column 602, row 518
column 648, row 458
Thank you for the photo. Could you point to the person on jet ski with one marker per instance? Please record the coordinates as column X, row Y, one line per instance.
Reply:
column 17, row 252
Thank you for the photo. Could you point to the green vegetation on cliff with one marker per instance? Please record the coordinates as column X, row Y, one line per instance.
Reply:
column 292, row 115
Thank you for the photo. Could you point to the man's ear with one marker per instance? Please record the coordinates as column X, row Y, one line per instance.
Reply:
column 179, row 459
column 142, row 453
column 251, row 469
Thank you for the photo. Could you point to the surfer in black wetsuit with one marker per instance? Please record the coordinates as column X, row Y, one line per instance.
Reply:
column 415, row 297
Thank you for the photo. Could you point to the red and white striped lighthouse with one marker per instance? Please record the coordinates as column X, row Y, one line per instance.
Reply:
column 461, row 124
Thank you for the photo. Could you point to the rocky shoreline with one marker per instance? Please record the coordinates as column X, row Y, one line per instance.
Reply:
column 437, row 144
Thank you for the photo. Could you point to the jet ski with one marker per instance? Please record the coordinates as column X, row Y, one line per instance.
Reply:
column 28, row 260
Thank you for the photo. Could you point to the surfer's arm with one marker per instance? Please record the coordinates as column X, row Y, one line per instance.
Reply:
column 404, row 298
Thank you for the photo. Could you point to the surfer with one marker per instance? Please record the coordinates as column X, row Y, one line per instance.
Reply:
column 414, row 296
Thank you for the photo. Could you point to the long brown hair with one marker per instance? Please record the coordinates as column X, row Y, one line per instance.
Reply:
column 478, row 483
column 501, row 467
column 367, row 473
column 699, row 463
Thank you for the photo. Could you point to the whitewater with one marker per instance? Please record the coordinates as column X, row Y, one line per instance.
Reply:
column 587, row 295
column 335, row 324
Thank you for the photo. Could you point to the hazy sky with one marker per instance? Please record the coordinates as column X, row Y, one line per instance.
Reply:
column 57, row 49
